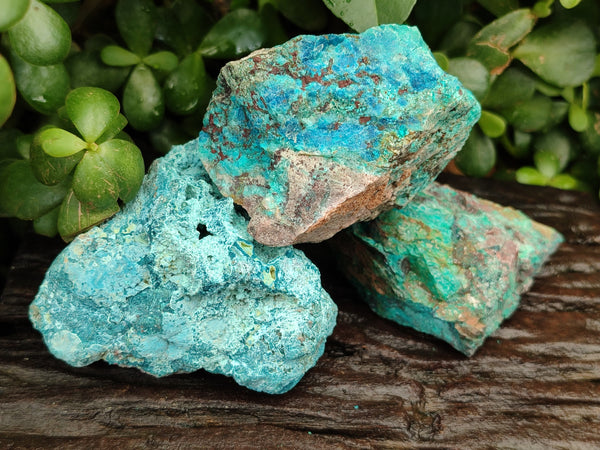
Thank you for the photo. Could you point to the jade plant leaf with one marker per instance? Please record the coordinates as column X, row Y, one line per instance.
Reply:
column 434, row 18
column 363, row 14
column 492, row 44
column 114, row 55
column 562, row 54
column 8, row 91
column 472, row 74
column 164, row 60
column 557, row 143
column 509, row 88
column 46, row 224
column 136, row 20
column 60, row 143
column 126, row 163
column 492, row 125
column 41, row 37
column 113, row 129
column 91, row 110
column 23, row 196
column 478, row 156
column 87, row 69
column 11, row 11
column 530, row 115
column 94, row 182
column 499, row 7
column 187, row 85
column 530, row 175
column 578, row 118
column 143, row 102
column 74, row 217
column 236, row 34
column 47, row 169
column 44, row 88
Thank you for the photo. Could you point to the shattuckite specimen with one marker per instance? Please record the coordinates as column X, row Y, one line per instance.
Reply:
column 323, row 131
column 448, row 264
column 174, row 283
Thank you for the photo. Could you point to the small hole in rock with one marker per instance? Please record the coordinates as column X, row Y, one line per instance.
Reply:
column 202, row 231
column 239, row 209
column 405, row 266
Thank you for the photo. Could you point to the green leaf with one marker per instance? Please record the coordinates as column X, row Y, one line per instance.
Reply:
column 91, row 110
column 87, row 69
column 546, row 163
column 46, row 225
column 547, row 89
column 126, row 163
column 492, row 124
column 136, row 20
column 9, row 143
column 276, row 34
column 557, row 143
column 309, row 15
column 570, row 3
column 511, row 87
column 530, row 115
column 530, row 175
column 187, row 86
column 522, row 143
column 478, row 156
column 8, row 91
column 472, row 74
column 182, row 25
column 143, row 102
column 166, row 61
column 499, row 7
column 113, row 129
column 167, row 135
column 236, row 34
column 113, row 55
column 457, row 39
column 47, row 169
column 578, row 118
column 434, row 18
column 590, row 137
column 41, row 37
column 94, row 182
column 44, row 88
column 363, row 14
column 564, row 181
column 442, row 60
column 11, row 11
column 543, row 8
column 75, row 218
column 23, row 196
column 491, row 45
column 60, row 143
column 562, row 54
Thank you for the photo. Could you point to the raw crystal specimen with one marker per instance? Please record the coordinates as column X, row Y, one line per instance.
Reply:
column 323, row 131
column 448, row 264
column 174, row 283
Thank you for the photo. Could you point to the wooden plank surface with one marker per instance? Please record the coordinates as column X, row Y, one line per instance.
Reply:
column 534, row 384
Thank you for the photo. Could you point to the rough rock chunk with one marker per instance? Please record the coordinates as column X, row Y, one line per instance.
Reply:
column 174, row 283
column 448, row 264
column 323, row 131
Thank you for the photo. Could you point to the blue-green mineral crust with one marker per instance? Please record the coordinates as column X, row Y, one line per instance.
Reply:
column 448, row 264
column 174, row 283
column 323, row 131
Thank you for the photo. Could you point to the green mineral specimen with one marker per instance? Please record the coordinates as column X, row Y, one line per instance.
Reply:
column 448, row 264
column 174, row 283
column 323, row 131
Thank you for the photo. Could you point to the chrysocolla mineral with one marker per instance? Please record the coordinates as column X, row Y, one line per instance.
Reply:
column 174, row 283
column 323, row 131
column 448, row 263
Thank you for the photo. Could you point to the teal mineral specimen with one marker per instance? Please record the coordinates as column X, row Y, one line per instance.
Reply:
column 174, row 283
column 323, row 131
column 448, row 264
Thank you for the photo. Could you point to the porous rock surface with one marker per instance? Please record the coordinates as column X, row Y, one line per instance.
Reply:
column 323, row 131
column 174, row 283
column 448, row 264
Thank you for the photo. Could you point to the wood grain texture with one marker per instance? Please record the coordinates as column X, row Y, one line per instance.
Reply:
column 534, row 384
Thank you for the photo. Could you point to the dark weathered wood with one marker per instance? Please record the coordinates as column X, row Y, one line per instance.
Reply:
column 534, row 384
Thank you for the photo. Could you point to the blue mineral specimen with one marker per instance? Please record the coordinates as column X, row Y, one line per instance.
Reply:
column 323, row 131
column 174, row 283
column 448, row 264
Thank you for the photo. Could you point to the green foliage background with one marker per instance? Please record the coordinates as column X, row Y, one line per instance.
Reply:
column 533, row 65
